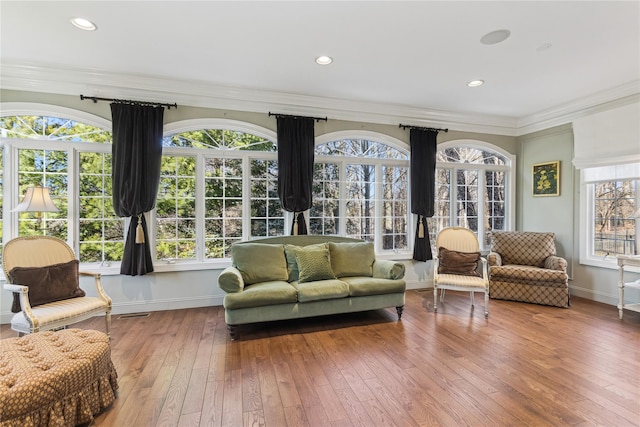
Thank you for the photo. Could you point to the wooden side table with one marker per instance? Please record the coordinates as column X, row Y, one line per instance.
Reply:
column 631, row 261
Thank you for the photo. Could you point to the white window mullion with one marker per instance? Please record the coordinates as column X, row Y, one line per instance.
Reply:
column 481, row 204
column 453, row 198
column 10, row 193
column 200, row 208
column 377, row 210
column 246, row 197
column 343, row 198
column 73, row 202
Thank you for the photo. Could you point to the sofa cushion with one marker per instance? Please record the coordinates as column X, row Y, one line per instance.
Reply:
column 314, row 264
column 46, row 284
column 352, row 259
column 261, row 294
column 321, row 290
column 260, row 262
column 363, row 286
column 290, row 252
column 460, row 263
column 388, row 269
column 523, row 247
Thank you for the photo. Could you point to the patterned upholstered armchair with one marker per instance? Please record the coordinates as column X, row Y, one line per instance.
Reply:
column 523, row 266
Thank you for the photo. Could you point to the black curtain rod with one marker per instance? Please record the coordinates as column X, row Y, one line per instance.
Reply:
column 423, row 128
column 317, row 119
column 128, row 101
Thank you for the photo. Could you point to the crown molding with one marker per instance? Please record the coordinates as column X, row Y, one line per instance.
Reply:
column 68, row 81
column 621, row 95
column 58, row 79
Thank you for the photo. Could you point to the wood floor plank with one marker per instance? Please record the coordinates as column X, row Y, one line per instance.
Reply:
column 273, row 409
column 251, row 394
column 358, row 416
column 527, row 365
column 232, row 414
column 211, row 415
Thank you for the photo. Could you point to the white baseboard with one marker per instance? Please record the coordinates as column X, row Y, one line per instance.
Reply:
column 153, row 305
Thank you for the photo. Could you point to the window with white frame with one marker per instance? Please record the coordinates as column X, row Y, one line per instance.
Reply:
column 360, row 190
column 72, row 158
column 610, row 198
column 473, row 187
column 218, row 186
column 234, row 174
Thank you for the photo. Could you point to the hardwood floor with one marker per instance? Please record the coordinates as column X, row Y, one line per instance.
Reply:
column 527, row 365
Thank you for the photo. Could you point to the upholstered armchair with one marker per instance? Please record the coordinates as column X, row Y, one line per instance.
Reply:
column 43, row 275
column 459, row 266
column 523, row 266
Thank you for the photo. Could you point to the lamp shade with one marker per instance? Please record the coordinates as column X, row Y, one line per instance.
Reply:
column 36, row 199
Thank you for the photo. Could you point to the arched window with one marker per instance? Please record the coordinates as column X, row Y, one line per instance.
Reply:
column 473, row 189
column 212, row 180
column 360, row 189
column 73, row 159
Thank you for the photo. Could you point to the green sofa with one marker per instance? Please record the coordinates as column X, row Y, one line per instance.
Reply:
column 292, row 277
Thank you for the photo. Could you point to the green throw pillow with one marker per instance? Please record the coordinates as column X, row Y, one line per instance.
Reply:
column 314, row 264
column 290, row 252
column 259, row 262
column 352, row 259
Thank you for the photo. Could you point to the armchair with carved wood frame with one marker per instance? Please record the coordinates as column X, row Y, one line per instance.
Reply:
column 37, row 255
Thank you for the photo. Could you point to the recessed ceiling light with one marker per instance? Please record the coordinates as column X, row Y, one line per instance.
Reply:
column 475, row 83
column 495, row 37
column 543, row 47
column 84, row 24
column 324, row 60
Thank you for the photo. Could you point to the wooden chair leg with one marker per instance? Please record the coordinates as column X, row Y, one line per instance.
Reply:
column 107, row 318
column 486, row 304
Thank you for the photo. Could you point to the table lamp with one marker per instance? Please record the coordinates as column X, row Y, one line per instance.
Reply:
column 36, row 199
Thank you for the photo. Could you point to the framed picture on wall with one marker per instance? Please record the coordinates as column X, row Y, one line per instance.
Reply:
column 546, row 178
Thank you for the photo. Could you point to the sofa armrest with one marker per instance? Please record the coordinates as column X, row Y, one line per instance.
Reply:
column 230, row 280
column 555, row 262
column 387, row 269
column 494, row 259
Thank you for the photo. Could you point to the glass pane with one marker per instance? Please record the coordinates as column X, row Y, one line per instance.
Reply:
column 360, row 148
column 614, row 229
column 470, row 155
column 54, row 128
column 219, row 139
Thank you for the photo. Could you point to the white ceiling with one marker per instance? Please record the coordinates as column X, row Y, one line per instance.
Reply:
column 415, row 55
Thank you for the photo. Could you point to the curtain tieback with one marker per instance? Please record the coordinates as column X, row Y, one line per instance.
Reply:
column 421, row 228
column 295, row 223
column 139, row 231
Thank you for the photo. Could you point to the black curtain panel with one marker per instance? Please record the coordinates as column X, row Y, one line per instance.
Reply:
column 423, row 175
column 137, row 154
column 295, row 167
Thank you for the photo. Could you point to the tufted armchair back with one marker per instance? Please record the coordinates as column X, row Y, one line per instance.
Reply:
column 523, row 247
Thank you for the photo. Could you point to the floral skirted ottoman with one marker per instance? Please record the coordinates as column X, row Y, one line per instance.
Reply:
column 60, row 378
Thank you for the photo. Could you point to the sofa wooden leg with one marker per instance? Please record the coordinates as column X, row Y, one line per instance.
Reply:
column 233, row 331
column 400, row 310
